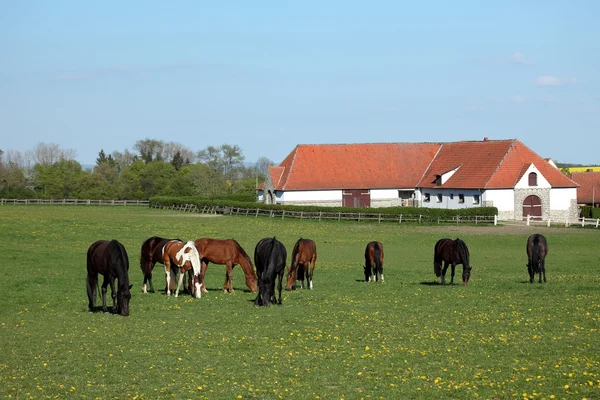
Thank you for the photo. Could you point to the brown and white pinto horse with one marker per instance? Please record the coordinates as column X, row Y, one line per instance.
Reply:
column 227, row 252
column 182, row 256
column 151, row 254
column 374, row 262
column 304, row 256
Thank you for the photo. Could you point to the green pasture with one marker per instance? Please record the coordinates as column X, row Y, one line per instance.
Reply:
column 408, row 338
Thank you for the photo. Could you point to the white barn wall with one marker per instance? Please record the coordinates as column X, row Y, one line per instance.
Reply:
column 561, row 198
column 447, row 202
column 523, row 183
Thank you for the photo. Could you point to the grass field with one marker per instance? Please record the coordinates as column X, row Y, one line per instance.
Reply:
column 500, row 337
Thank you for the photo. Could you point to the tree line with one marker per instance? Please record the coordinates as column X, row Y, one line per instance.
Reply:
column 152, row 168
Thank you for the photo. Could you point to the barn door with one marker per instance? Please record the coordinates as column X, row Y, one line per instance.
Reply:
column 532, row 205
column 356, row 198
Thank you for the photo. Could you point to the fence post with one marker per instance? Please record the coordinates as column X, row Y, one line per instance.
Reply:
column 548, row 221
column 283, row 214
column 256, row 213
column 379, row 218
column 583, row 222
column 339, row 216
column 495, row 220
column 419, row 218
column 320, row 213
column 400, row 220
column 358, row 217
column 528, row 219
column 566, row 221
column 597, row 221
column 476, row 220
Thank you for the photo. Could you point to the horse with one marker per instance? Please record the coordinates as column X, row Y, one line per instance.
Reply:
column 269, row 257
column 537, row 250
column 109, row 258
column 303, row 261
column 151, row 254
column 184, row 257
column 374, row 262
column 227, row 252
column 451, row 252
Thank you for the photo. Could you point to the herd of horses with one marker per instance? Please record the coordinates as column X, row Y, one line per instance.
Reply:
column 191, row 259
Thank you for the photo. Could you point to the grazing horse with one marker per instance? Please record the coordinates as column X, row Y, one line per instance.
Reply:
column 451, row 252
column 374, row 262
column 303, row 261
column 537, row 250
column 227, row 252
column 151, row 254
column 184, row 257
column 269, row 257
column 109, row 258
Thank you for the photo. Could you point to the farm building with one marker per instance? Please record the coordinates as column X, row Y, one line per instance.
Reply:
column 501, row 173
column 588, row 192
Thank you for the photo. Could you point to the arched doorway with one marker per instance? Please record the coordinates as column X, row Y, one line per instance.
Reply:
column 532, row 205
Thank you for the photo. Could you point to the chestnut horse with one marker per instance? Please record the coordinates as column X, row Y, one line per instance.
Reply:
column 151, row 254
column 183, row 257
column 227, row 252
column 109, row 259
column 451, row 252
column 304, row 256
column 374, row 262
column 537, row 249
column 269, row 258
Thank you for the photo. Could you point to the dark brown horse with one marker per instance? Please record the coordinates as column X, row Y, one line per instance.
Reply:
column 229, row 253
column 269, row 257
column 537, row 249
column 303, row 261
column 451, row 252
column 152, row 254
column 374, row 262
column 183, row 257
column 109, row 258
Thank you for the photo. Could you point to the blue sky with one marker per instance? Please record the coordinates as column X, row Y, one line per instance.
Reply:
column 267, row 75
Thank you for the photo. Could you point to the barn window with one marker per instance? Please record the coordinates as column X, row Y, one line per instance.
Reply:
column 451, row 196
column 532, row 179
column 461, row 198
column 439, row 197
column 476, row 199
column 426, row 198
column 438, row 180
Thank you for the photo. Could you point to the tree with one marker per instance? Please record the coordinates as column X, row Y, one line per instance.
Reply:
column 262, row 167
column 59, row 180
column 124, row 159
column 225, row 160
column 50, row 153
column 150, row 149
column 177, row 161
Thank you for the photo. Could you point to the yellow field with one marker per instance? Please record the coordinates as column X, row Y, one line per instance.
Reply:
column 582, row 169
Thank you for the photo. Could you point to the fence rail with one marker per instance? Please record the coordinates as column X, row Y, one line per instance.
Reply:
column 76, row 202
column 325, row 215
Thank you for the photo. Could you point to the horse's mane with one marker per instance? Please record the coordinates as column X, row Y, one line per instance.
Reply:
column 119, row 259
column 463, row 252
column 242, row 251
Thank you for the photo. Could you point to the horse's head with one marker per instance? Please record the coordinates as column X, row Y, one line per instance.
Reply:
column 466, row 275
column 252, row 281
column 291, row 280
column 123, row 297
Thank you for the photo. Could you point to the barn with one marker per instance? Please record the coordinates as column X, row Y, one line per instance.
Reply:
column 588, row 193
column 501, row 173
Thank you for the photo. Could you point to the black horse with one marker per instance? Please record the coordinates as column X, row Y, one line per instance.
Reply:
column 451, row 252
column 269, row 258
column 109, row 259
column 374, row 262
column 537, row 249
column 151, row 254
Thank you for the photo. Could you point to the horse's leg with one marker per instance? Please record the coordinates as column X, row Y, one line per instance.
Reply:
column 168, row 277
column 104, row 285
column 544, row 269
column 311, row 268
column 280, row 286
column 452, row 278
column 181, row 275
column 202, row 273
column 150, row 277
column 531, row 273
column 91, row 289
column 113, row 294
column 444, row 273
column 228, row 284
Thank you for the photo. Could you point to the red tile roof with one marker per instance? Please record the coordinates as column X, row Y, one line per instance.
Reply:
column 488, row 164
column 588, row 191
column 356, row 166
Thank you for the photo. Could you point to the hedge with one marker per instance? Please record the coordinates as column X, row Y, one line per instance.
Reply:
column 432, row 214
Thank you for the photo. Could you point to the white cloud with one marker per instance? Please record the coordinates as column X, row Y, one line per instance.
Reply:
column 517, row 98
column 548, row 80
column 519, row 58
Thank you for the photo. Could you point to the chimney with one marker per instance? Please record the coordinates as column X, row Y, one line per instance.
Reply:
column 485, row 139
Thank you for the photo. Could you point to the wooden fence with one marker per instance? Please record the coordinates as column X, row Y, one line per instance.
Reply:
column 76, row 202
column 331, row 216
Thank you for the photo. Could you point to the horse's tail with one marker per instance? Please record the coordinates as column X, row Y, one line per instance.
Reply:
column 463, row 252
column 143, row 260
column 536, row 255
column 377, row 256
